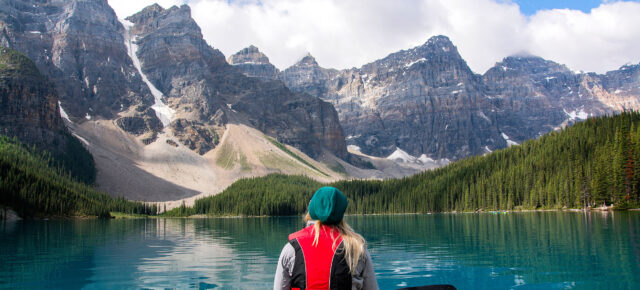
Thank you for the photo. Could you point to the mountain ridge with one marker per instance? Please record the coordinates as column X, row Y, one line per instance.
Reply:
column 431, row 90
column 162, row 65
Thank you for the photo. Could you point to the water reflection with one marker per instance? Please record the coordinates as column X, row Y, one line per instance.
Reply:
column 199, row 253
column 472, row 251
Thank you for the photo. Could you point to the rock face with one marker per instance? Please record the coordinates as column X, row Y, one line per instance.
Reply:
column 307, row 76
column 533, row 96
column 85, row 50
column 79, row 46
column 29, row 111
column 28, row 103
column 426, row 102
column 254, row 63
column 618, row 89
column 206, row 92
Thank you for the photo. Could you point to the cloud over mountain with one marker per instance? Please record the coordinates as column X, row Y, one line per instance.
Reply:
column 349, row 33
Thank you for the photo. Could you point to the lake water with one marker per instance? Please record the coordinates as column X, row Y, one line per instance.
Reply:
column 532, row 250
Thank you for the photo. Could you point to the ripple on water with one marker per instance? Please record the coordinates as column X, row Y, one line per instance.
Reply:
column 531, row 250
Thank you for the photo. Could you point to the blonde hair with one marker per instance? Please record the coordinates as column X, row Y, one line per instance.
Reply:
column 353, row 242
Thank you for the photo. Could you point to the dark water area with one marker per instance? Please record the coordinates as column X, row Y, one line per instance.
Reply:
column 530, row 250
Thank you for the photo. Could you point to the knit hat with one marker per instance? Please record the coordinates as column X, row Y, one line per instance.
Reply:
column 328, row 205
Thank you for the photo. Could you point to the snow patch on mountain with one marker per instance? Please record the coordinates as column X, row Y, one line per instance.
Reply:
column 81, row 139
column 246, row 62
column 402, row 156
column 354, row 148
column 63, row 114
column 423, row 161
column 163, row 112
column 573, row 115
column 414, row 62
column 482, row 115
column 509, row 141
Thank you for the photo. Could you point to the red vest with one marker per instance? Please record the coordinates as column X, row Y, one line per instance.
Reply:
column 321, row 266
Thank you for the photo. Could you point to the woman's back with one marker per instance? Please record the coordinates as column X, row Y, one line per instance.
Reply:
column 327, row 254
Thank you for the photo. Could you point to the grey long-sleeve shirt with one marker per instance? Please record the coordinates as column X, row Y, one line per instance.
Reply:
column 365, row 279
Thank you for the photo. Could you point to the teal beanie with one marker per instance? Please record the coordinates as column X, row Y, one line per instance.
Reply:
column 328, row 205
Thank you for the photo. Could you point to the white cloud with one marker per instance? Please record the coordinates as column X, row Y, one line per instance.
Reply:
column 350, row 33
column 604, row 39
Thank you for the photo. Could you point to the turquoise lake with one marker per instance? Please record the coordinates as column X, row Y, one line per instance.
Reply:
column 529, row 250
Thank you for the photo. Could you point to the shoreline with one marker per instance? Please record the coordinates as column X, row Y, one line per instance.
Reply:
column 119, row 215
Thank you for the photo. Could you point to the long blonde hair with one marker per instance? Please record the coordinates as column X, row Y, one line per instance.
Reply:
column 353, row 242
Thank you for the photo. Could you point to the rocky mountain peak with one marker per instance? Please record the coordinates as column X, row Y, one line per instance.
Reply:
column 79, row 47
column 178, row 19
column 153, row 8
column 307, row 60
column 249, row 55
column 439, row 41
column 529, row 64
column 439, row 45
column 198, row 84
column 630, row 70
column 435, row 56
column 253, row 63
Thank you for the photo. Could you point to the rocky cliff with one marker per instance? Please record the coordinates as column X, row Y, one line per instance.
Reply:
column 206, row 92
column 254, row 63
column 87, row 53
column 79, row 46
column 533, row 96
column 152, row 100
column 308, row 77
column 29, row 111
column 28, row 103
column 426, row 102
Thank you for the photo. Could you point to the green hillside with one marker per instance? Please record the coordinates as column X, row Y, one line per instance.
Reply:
column 33, row 188
column 592, row 163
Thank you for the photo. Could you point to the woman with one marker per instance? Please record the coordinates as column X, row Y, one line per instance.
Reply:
column 327, row 253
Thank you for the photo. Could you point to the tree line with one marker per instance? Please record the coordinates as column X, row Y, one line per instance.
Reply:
column 592, row 163
column 33, row 186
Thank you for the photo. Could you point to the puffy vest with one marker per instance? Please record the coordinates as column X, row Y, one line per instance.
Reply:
column 321, row 266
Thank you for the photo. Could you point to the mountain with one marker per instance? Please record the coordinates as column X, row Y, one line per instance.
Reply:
column 32, row 187
column 586, row 165
column 162, row 112
column 78, row 45
column 205, row 91
column 424, row 100
column 307, row 76
column 28, row 103
column 427, row 102
column 254, row 63
column 29, row 111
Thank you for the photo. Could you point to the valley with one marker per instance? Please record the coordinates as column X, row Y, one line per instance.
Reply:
column 169, row 119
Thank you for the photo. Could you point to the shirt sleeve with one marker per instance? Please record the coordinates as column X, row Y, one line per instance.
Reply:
column 369, row 281
column 284, row 270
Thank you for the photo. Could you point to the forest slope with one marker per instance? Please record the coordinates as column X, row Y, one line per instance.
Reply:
column 33, row 188
column 592, row 163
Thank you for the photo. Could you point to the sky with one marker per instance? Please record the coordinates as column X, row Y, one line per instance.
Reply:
column 530, row 7
column 585, row 35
